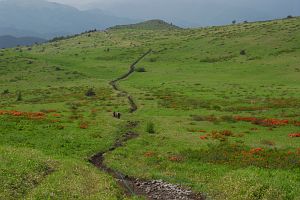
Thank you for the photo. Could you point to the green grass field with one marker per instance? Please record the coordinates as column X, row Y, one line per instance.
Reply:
column 224, row 102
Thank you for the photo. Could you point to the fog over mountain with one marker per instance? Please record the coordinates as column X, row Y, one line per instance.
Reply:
column 7, row 41
column 40, row 18
column 195, row 12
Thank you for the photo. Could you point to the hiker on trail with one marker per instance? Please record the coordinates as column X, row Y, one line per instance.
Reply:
column 117, row 115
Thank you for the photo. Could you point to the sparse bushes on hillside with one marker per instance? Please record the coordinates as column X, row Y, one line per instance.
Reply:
column 140, row 69
column 61, row 38
column 152, row 59
column 90, row 92
column 19, row 96
column 6, row 91
column 150, row 128
column 243, row 52
column 71, row 36
column 57, row 68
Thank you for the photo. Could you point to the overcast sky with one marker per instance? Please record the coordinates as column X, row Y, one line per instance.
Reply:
column 112, row 3
column 197, row 12
column 193, row 12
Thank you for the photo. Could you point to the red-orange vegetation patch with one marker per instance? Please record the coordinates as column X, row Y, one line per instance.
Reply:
column 93, row 111
column 272, row 122
column 204, row 137
column 256, row 150
column 56, row 115
column 29, row 115
column 218, row 135
column 176, row 158
column 149, row 154
column 294, row 135
column 84, row 125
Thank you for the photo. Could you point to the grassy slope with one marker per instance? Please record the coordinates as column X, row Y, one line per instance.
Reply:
column 148, row 25
column 191, row 72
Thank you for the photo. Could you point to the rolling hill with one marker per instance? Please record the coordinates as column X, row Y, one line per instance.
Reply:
column 148, row 25
column 212, row 110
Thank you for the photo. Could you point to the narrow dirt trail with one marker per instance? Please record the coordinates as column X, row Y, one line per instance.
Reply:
column 151, row 190
column 113, row 83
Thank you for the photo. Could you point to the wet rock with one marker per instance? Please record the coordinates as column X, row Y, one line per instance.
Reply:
column 159, row 190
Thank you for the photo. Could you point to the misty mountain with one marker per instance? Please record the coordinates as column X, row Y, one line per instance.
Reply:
column 8, row 41
column 200, row 12
column 40, row 18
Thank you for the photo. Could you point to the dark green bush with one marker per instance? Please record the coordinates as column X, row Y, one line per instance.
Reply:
column 90, row 92
column 150, row 128
column 140, row 69
column 152, row 59
column 6, row 91
column 243, row 52
column 19, row 96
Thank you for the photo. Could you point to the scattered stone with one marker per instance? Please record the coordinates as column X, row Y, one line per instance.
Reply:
column 160, row 190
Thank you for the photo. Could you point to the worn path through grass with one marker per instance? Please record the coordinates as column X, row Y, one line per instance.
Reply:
column 132, row 186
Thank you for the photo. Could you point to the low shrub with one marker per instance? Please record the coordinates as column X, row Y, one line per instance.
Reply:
column 140, row 69
column 19, row 96
column 6, row 91
column 243, row 52
column 90, row 92
column 152, row 59
column 150, row 128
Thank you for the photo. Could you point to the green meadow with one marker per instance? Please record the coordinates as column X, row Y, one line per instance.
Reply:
column 224, row 103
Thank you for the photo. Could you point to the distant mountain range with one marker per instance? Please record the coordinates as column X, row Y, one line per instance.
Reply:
column 39, row 18
column 10, row 41
column 195, row 13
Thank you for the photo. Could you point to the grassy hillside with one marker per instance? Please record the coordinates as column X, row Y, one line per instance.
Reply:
column 224, row 102
column 147, row 25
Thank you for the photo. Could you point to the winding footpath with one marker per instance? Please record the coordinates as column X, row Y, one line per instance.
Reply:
column 133, row 106
column 151, row 190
